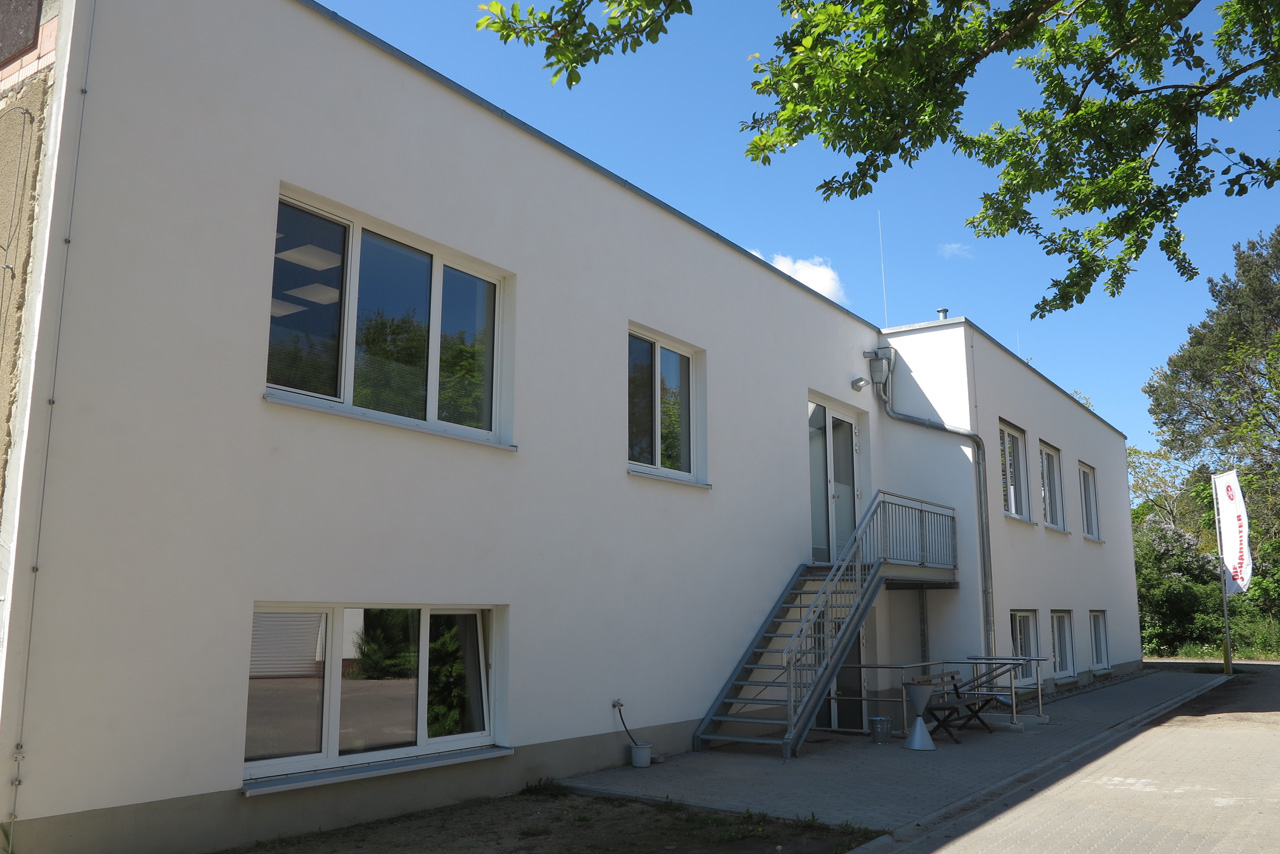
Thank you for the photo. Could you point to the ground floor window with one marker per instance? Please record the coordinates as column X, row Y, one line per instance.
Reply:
column 335, row 685
column 1063, row 645
column 1026, row 644
column 1098, row 633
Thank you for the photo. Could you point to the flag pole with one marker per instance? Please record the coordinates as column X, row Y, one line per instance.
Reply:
column 1222, row 576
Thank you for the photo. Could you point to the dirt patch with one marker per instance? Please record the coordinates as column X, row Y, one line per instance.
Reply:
column 547, row 818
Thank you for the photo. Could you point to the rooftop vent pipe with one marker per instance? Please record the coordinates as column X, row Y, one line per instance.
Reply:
column 882, row 362
column 942, row 313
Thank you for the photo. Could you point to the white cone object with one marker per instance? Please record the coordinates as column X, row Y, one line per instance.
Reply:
column 919, row 738
column 918, row 695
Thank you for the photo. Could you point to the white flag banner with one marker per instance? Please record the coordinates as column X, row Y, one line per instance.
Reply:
column 1233, row 531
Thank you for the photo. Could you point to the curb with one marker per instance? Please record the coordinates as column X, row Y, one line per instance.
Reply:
column 912, row 831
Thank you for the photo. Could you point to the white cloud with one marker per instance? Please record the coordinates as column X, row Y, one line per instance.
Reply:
column 815, row 272
column 955, row 250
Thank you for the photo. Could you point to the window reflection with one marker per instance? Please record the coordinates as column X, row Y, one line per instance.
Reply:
column 466, row 350
column 640, row 400
column 379, row 702
column 675, row 411
column 455, row 693
column 306, row 302
column 286, row 686
column 392, row 327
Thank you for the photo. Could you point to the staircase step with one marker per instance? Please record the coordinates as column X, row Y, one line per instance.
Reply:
column 747, row 719
column 760, row 682
column 755, row 701
column 744, row 739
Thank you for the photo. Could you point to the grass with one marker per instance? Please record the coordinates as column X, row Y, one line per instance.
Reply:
column 1244, row 651
column 546, row 818
column 545, row 788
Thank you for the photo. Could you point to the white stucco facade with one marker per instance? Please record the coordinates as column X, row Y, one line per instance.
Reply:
column 168, row 493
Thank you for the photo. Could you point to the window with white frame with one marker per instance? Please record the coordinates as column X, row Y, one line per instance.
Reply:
column 1098, row 636
column 1063, row 644
column 332, row 686
column 1089, row 501
column 1026, row 641
column 1051, row 486
column 663, row 406
column 399, row 327
column 1013, row 471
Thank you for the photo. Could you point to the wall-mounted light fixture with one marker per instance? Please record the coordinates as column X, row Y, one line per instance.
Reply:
column 859, row 383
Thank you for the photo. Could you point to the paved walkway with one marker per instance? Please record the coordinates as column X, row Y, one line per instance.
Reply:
column 1201, row 779
column 929, row 799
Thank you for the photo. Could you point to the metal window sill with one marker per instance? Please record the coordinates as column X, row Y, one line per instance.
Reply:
column 312, row 404
column 655, row 474
column 307, row 779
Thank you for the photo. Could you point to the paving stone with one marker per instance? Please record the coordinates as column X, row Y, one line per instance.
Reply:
column 843, row 778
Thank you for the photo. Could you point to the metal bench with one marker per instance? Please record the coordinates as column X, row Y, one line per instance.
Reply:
column 950, row 706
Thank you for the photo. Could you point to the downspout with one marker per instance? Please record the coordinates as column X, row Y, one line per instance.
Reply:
column 883, row 360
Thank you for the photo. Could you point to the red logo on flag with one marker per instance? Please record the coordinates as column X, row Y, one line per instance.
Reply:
column 1231, row 493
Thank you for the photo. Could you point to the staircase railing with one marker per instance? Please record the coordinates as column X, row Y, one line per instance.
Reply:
column 894, row 529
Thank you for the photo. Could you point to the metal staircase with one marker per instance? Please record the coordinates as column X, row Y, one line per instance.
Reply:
column 775, row 691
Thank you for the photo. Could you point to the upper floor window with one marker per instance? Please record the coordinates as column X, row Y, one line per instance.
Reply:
column 662, row 407
column 1089, row 501
column 380, row 325
column 1013, row 470
column 1051, row 486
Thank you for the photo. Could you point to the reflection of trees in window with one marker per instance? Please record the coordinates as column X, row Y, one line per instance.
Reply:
column 454, row 694
column 675, row 432
column 466, row 379
column 387, row 646
column 640, row 401
column 300, row 361
column 391, row 364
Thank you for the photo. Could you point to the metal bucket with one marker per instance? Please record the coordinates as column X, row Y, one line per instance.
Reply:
column 879, row 730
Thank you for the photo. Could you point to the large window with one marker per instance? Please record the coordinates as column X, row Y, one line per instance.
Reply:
column 1026, row 643
column 1089, row 501
column 332, row 686
column 1013, row 471
column 379, row 325
column 1051, row 486
column 1098, row 634
column 1063, row 644
column 662, row 436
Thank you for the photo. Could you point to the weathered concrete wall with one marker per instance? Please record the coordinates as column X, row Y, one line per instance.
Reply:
column 22, row 123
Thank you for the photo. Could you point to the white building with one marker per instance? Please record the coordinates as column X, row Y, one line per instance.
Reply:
column 318, row 367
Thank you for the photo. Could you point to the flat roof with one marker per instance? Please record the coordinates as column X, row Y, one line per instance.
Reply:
column 964, row 321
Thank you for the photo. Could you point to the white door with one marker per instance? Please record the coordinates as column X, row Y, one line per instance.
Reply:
column 832, row 495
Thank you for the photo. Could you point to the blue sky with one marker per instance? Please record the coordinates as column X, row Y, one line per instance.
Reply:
column 667, row 120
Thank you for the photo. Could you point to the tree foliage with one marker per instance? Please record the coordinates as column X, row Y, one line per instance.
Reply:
column 1220, row 393
column 1179, row 592
column 1217, row 404
column 1112, row 146
column 387, row 644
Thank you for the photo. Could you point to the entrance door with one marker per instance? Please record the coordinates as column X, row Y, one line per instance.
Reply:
column 832, row 444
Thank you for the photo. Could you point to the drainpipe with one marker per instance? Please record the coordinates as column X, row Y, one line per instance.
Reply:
column 883, row 360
